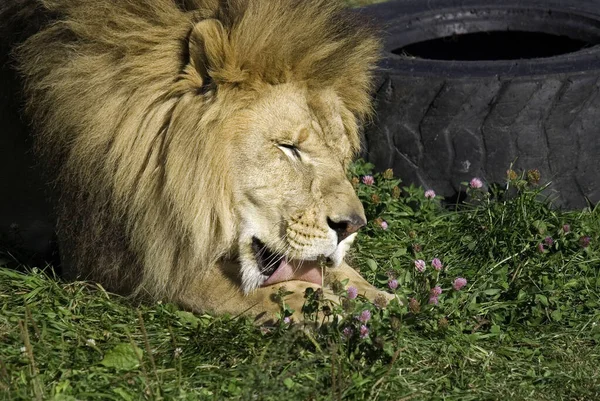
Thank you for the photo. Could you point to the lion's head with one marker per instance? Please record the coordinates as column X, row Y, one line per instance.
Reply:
column 291, row 196
column 180, row 137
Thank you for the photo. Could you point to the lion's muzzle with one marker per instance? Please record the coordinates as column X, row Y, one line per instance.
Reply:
column 346, row 226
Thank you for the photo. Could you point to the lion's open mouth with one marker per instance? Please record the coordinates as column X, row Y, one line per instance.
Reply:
column 277, row 267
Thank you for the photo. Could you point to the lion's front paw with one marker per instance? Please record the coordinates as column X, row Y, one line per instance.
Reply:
column 362, row 286
column 376, row 296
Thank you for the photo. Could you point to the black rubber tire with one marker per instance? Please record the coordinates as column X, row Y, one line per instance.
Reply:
column 441, row 122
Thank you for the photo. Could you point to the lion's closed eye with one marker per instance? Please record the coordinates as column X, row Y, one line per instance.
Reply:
column 290, row 151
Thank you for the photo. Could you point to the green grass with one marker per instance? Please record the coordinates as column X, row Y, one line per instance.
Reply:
column 525, row 327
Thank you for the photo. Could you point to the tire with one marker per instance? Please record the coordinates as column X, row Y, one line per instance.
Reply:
column 468, row 87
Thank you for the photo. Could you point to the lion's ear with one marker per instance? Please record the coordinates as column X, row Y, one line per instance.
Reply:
column 207, row 49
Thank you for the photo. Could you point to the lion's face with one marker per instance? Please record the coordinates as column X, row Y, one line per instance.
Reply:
column 293, row 200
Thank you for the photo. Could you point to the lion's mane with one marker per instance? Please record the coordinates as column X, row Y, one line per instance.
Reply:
column 128, row 129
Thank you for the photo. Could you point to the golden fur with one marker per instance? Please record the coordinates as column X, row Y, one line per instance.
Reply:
column 155, row 120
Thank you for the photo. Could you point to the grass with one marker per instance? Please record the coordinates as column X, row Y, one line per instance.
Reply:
column 524, row 327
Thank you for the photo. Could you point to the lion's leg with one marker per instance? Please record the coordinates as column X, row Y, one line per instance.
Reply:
column 345, row 272
column 220, row 292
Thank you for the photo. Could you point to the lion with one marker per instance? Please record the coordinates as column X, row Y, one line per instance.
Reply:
column 198, row 150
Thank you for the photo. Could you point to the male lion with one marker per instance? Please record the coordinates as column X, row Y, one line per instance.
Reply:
column 198, row 148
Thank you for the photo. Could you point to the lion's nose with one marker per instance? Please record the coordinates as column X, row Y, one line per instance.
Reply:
column 345, row 226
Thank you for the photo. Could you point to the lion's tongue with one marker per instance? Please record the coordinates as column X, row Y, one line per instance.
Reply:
column 292, row 270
